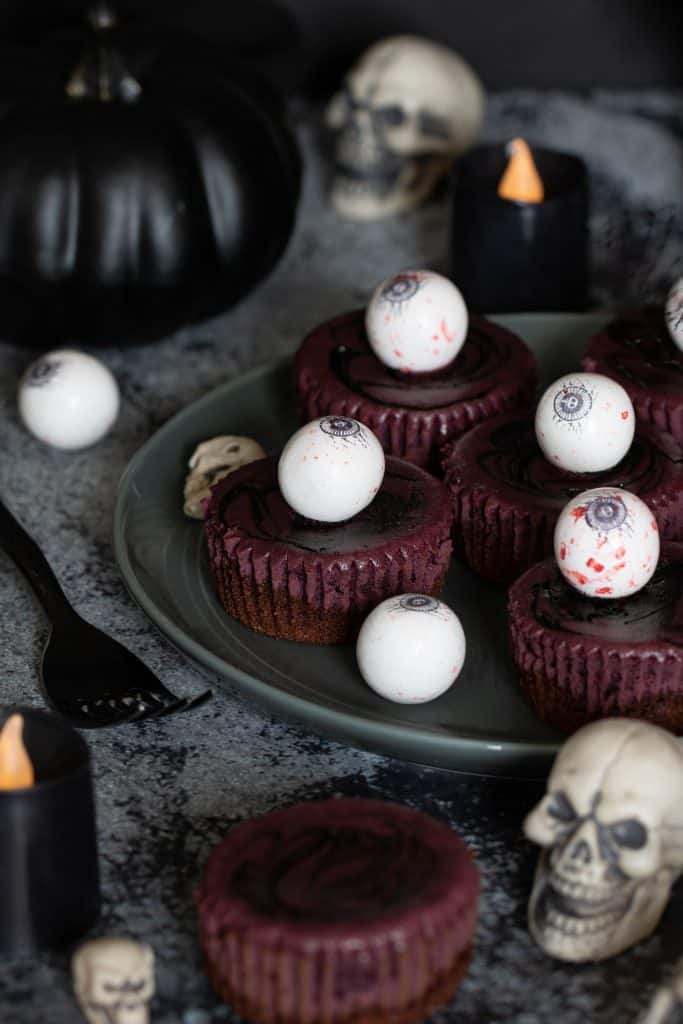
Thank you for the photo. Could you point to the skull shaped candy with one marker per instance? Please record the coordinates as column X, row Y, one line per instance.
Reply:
column 674, row 313
column 210, row 462
column 114, row 980
column 611, row 824
column 405, row 110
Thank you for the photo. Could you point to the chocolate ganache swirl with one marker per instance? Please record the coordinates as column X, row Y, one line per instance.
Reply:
column 485, row 350
column 333, row 874
column 642, row 351
column 508, row 453
column 655, row 613
column 257, row 505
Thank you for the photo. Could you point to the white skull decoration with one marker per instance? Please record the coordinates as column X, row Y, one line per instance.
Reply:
column 405, row 110
column 114, row 980
column 210, row 462
column 611, row 823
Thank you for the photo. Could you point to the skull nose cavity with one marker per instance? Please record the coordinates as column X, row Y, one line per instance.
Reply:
column 359, row 147
column 581, row 851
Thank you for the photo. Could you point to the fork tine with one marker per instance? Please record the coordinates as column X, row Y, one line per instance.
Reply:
column 180, row 705
column 201, row 698
column 166, row 709
column 82, row 721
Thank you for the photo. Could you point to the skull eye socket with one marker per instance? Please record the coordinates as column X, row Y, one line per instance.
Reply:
column 630, row 834
column 561, row 809
column 391, row 116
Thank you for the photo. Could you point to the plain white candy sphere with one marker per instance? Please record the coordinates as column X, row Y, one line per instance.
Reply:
column 585, row 422
column 674, row 313
column 330, row 469
column 68, row 399
column 411, row 648
column 416, row 321
column 606, row 543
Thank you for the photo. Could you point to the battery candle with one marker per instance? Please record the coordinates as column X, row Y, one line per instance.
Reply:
column 49, row 886
column 519, row 229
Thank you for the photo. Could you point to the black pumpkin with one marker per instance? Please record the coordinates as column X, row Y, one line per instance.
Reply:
column 148, row 189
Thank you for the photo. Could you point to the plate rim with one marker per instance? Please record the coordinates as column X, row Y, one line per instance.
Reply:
column 504, row 757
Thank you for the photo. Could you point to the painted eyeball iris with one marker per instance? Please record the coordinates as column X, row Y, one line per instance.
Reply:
column 606, row 543
column 419, row 603
column 585, row 423
column 416, row 321
column 340, row 426
column 42, row 372
column 409, row 658
column 330, row 469
column 606, row 514
column 400, row 288
column 572, row 403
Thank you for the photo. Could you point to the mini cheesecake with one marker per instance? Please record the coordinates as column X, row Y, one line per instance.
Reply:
column 637, row 351
column 580, row 658
column 507, row 496
column 348, row 911
column 296, row 579
column 337, row 373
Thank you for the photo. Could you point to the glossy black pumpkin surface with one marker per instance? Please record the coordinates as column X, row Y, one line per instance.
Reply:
column 120, row 221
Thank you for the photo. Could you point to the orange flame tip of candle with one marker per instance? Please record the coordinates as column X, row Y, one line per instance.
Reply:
column 521, row 180
column 16, row 770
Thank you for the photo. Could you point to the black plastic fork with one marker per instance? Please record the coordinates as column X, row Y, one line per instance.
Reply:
column 86, row 675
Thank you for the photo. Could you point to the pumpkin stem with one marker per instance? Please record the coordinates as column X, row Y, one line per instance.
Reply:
column 102, row 74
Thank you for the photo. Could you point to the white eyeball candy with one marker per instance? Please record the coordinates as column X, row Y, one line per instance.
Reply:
column 411, row 648
column 68, row 399
column 674, row 313
column 585, row 423
column 606, row 543
column 331, row 469
column 416, row 321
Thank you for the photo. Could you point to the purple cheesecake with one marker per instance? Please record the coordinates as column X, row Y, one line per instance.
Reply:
column 412, row 414
column 580, row 658
column 637, row 351
column 351, row 910
column 507, row 496
column 295, row 579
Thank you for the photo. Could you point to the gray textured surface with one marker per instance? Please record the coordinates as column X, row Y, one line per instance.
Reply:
column 167, row 791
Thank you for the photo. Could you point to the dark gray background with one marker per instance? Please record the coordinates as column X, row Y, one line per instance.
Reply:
column 577, row 44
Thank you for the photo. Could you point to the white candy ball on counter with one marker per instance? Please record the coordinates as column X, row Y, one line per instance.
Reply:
column 416, row 321
column 606, row 543
column 68, row 399
column 411, row 648
column 674, row 313
column 585, row 422
column 331, row 468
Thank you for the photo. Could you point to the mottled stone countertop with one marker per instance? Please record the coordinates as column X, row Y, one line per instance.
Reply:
column 167, row 791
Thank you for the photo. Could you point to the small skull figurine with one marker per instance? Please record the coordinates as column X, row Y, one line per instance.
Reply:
column 405, row 110
column 611, row 824
column 114, row 980
column 210, row 462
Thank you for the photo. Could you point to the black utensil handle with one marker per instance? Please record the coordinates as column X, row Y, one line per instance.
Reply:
column 26, row 554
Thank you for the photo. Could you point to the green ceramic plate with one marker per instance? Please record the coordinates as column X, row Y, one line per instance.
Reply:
column 481, row 725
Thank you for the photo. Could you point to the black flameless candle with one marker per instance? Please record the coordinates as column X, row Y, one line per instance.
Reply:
column 511, row 255
column 49, row 888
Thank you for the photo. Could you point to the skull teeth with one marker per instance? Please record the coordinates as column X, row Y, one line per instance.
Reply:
column 579, row 891
column 352, row 187
column 580, row 926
